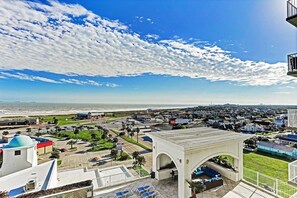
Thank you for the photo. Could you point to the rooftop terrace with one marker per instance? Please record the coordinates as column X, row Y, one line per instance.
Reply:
column 198, row 138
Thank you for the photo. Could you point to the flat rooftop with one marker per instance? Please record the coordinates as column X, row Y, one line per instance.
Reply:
column 195, row 138
column 43, row 174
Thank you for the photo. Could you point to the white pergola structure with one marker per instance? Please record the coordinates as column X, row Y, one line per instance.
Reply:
column 190, row 148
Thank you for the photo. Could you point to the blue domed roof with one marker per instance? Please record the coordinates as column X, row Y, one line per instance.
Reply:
column 20, row 141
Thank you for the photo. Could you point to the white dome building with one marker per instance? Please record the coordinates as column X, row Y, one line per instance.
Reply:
column 20, row 153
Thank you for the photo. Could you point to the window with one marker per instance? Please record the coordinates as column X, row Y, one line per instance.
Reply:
column 18, row 152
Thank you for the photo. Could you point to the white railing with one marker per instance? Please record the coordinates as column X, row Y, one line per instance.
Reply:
column 292, row 62
column 273, row 185
column 291, row 8
column 292, row 172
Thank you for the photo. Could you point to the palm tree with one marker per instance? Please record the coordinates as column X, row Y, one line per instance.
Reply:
column 140, row 161
column 71, row 142
column 135, row 155
column 196, row 187
column 137, row 132
column 28, row 130
column 76, row 131
column 131, row 134
column 114, row 153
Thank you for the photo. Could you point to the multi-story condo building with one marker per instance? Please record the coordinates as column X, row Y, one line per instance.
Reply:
column 292, row 19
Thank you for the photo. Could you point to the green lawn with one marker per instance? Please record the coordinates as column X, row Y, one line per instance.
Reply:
column 273, row 167
column 62, row 119
column 83, row 135
column 141, row 171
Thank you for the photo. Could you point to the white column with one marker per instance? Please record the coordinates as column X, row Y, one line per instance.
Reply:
column 240, row 161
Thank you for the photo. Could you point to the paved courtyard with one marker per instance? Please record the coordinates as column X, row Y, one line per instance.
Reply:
column 168, row 189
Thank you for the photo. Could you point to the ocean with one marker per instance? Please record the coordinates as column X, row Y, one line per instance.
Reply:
column 29, row 109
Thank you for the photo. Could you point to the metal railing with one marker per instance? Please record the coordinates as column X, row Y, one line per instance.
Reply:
column 291, row 8
column 273, row 185
column 292, row 62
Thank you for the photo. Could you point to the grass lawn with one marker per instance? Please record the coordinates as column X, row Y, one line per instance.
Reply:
column 100, row 147
column 142, row 172
column 62, row 119
column 83, row 135
column 273, row 167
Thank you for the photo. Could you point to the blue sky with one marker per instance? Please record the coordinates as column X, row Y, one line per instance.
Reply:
column 169, row 51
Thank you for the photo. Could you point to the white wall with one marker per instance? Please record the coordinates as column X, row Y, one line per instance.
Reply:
column 13, row 163
column 292, row 117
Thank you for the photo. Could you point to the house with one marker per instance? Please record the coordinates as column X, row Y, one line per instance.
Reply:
column 252, row 128
column 277, row 149
column 19, row 121
column 178, row 121
column 288, row 139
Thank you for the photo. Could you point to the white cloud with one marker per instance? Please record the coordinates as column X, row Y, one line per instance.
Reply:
column 88, row 82
column 69, row 39
column 22, row 76
column 152, row 36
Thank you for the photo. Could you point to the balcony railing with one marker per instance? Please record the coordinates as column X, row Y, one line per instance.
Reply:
column 292, row 63
column 291, row 8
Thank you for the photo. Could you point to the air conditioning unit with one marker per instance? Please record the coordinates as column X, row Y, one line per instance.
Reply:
column 30, row 185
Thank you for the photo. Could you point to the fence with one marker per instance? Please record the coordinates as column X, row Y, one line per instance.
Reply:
column 293, row 172
column 291, row 8
column 271, row 184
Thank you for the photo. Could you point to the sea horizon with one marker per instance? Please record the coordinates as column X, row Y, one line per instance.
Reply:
column 10, row 109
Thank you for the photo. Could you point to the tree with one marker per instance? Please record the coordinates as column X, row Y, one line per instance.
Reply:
column 76, row 132
column 5, row 133
column 115, row 140
column 114, row 153
column 131, row 134
column 55, row 120
column 71, row 142
column 140, row 161
column 137, row 132
column 93, row 136
column 135, row 155
column 55, row 154
column 28, row 130
column 38, row 134
column 103, row 137
column 250, row 142
column 196, row 187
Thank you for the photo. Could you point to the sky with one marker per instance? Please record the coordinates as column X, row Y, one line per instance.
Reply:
column 154, row 52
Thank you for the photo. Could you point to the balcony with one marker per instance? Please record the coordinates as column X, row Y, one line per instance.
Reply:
column 292, row 12
column 292, row 65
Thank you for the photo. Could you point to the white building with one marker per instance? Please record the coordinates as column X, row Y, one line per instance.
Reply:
column 20, row 153
column 292, row 117
column 253, row 128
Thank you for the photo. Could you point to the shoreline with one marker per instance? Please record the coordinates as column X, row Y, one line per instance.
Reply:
column 61, row 113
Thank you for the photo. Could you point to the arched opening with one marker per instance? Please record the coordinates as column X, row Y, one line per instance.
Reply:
column 166, row 167
column 213, row 172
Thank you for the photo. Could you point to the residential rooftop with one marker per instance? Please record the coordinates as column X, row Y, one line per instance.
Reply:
column 198, row 138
